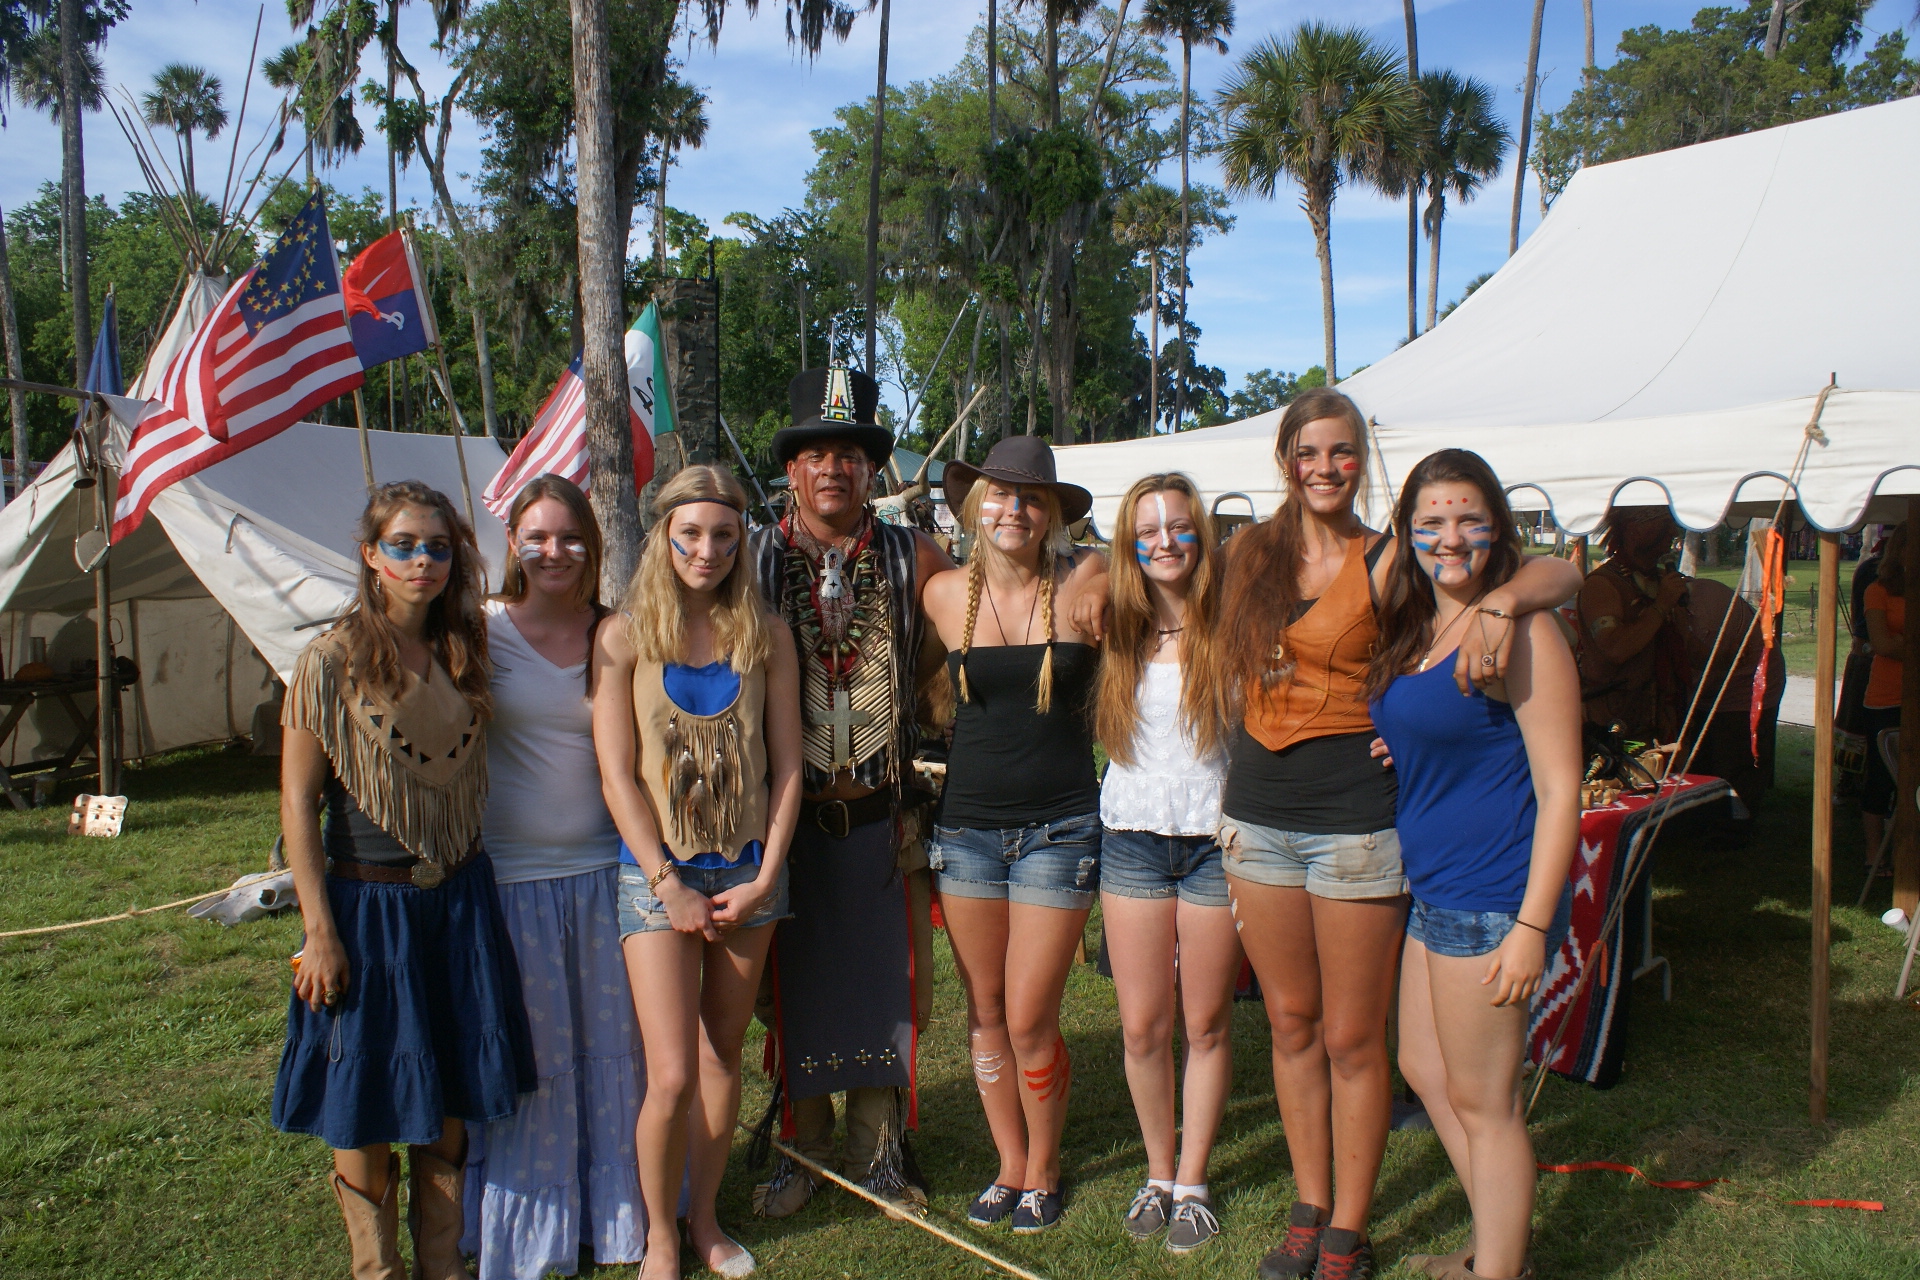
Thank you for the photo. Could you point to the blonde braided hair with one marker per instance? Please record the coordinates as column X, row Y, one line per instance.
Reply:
column 976, row 575
column 1056, row 546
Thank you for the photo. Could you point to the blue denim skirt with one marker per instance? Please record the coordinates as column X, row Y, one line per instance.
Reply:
column 432, row 1023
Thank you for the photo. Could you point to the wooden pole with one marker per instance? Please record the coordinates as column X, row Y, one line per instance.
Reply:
column 1906, row 821
column 459, row 432
column 366, row 447
column 105, row 746
column 1826, row 631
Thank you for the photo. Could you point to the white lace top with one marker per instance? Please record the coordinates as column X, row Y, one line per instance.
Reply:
column 1168, row 788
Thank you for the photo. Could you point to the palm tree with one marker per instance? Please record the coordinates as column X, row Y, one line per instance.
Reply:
column 1413, row 194
column 1526, row 125
column 1147, row 222
column 1320, row 107
column 1587, row 5
column 1463, row 145
column 993, row 71
column 187, row 100
column 1054, row 13
column 1202, row 22
column 869, row 292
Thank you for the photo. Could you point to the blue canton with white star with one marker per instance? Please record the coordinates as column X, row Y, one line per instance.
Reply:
column 298, row 269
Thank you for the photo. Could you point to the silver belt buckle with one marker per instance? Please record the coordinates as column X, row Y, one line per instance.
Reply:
column 428, row 875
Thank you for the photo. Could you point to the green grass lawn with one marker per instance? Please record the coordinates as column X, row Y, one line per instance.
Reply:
column 1796, row 615
column 139, row 1058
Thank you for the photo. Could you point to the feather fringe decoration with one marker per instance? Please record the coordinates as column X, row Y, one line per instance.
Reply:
column 704, row 777
column 438, row 823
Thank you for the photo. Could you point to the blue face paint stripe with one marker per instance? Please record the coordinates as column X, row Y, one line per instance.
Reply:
column 408, row 554
column 675, row 543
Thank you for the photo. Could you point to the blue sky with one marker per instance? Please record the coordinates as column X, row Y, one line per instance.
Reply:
column 1256, row 290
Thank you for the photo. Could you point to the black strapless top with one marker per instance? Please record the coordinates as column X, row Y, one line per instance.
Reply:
column 1011, row 766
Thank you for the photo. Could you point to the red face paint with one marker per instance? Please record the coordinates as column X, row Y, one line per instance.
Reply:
column 390, row 573
column 1349, row 466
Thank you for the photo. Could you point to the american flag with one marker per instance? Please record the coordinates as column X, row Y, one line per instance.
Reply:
column 557, row 441
column 276, row 346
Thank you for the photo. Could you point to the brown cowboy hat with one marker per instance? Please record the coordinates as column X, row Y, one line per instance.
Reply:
column 1018, row 460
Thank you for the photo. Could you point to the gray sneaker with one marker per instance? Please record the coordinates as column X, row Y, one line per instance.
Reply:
column 1147, row 1215
column 1192, row 1226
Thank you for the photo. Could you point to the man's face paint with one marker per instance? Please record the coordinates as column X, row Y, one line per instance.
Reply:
column 1451, row 534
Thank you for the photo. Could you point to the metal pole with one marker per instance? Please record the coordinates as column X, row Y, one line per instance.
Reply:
column 366, row 448
column 747, row 467
column 1906, row 822
column 1826, row 631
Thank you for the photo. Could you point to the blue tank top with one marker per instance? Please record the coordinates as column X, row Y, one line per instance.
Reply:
column 1466, row 806
column 702, row 691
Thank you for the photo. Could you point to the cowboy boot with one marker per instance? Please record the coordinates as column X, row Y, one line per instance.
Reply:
column 373, row 1229
column 434, row 1184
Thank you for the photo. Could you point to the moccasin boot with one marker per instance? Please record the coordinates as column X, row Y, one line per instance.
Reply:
column 1438, row 1265
column 787, row 1192
column 434, row 1184
column 373, row 1230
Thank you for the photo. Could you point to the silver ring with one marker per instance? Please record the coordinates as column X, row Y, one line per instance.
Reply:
column 1486, row 659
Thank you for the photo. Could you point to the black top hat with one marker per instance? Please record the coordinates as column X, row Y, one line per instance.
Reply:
column 834, row 403
column 1018, row 460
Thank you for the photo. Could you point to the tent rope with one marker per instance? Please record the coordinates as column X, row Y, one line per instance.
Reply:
column 124, row 915
column 895, row 1211
column 1644, row 851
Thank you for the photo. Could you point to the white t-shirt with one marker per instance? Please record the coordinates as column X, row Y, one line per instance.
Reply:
column 1169, row 788
column 545, row 817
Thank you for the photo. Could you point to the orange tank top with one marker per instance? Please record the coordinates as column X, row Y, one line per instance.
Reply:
column 1324, row 656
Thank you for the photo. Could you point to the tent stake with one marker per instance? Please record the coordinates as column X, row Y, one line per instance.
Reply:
column 1826, row 627
column 366, row 448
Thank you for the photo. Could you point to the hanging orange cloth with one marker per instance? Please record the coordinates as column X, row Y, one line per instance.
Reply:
column 1773, row 593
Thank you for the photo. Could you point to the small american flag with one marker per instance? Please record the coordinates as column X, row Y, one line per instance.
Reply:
column 557, row 441
column 276, row 346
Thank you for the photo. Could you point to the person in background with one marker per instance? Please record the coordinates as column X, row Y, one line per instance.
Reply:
column 696, row 723
column 1016, row 841
column 1163, row 889
column 1885, row 610
column 1313, row 862
column 560, row 1173
column 1636, row 646
column 1488, row 815
column 406, row 1023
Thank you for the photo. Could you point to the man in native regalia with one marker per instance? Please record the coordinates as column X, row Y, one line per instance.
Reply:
column 847, row 996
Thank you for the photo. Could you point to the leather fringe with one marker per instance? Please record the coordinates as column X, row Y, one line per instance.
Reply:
column 437, row 824
column 704, row 779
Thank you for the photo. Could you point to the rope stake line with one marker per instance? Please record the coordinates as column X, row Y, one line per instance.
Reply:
column 894, row 1211
column 124, row 915
column 1609, row 1166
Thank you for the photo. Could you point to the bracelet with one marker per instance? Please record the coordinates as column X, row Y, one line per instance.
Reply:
column 1536, row 928
column 1498, row 613
column 653, row 881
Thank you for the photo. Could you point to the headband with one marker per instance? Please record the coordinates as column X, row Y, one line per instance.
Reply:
column 688, row 502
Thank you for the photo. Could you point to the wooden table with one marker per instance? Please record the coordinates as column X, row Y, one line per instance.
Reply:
column 17, row 697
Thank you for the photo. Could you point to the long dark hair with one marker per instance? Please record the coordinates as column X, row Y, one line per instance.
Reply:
column 456, row 630
column 1407, row 607
column 1263, row 562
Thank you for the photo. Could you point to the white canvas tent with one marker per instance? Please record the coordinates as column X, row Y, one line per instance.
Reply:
column 1659, row 340
column 210, row 593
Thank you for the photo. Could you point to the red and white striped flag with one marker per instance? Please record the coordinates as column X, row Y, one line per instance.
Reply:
column 557, row 441
column 276, row 346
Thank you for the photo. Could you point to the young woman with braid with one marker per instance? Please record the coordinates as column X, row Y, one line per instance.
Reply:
column 1016, row 842
column 1163, row 889
column 1313, row 863
column 696, row 722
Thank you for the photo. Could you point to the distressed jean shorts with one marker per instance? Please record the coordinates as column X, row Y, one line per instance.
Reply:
column 1146, row 864
column 1447, row 931
column 642, row 912
column 1050, row 864
column 1348, row 867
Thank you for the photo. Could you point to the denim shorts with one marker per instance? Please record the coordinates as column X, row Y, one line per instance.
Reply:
column 1348, row 867
column 1146, row 864
column 1465, row 934
column 642, row 912
column 1050, row 864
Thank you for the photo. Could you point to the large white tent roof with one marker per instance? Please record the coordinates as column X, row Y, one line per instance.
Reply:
column 1660, row 339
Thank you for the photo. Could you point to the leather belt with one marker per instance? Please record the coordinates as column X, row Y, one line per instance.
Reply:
column 419, row 873
column 838, row 818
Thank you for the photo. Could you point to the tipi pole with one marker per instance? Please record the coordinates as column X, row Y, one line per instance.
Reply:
column 366, row 446
column 1906, row 821
column 459, row 429
column 1826, row 631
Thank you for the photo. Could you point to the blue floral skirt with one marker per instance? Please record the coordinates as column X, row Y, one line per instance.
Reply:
column 432, row 1023
column 562, row 1172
